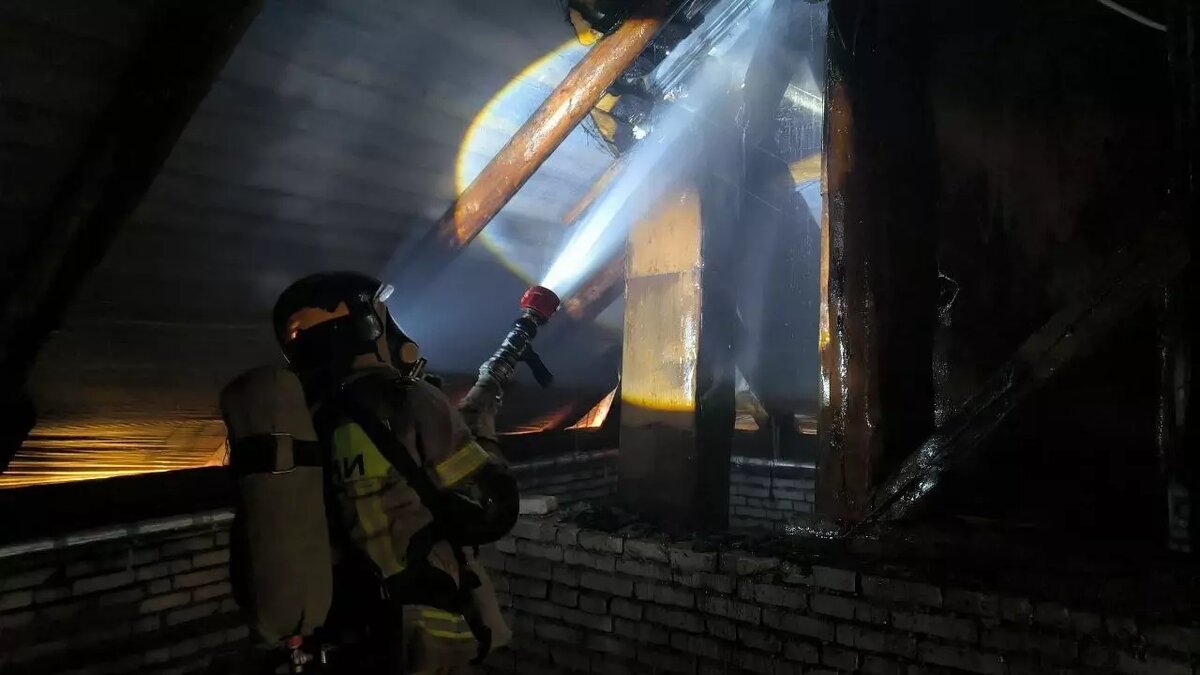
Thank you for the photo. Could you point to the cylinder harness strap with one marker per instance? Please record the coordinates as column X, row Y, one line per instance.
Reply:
column 346, row 406
column 272, row 453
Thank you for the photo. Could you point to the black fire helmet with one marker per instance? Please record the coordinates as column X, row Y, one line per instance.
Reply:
column 327, row 319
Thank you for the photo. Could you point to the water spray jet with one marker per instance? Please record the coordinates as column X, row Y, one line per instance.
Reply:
column 713, row 60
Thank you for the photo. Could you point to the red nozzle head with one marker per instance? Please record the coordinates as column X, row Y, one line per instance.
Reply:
column 541, row 301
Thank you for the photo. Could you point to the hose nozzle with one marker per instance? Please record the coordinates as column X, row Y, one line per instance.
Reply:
column 541, row 302
column 538, row 304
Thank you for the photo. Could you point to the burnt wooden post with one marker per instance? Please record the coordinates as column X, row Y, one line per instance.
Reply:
column 879, row 269
column 185, row 48
column 676, row 373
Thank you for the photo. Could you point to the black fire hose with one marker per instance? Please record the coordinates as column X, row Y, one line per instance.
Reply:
column 538, row 304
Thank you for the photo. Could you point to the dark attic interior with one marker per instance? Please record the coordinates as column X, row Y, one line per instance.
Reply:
column 864, row 335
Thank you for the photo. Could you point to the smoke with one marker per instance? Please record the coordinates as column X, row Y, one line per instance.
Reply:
column 718, row 53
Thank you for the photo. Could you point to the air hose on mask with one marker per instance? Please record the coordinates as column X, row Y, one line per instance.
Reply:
column 538, row 304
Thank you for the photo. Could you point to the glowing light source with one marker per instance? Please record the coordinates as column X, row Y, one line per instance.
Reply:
column 594, row 419
column 61, row 452
column 547, row 422
column 529, row 225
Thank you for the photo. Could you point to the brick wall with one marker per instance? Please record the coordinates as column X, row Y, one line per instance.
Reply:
column 769, row 496
column 585, row 476
column 590, row 602
column 154, row 598
column 763, row 496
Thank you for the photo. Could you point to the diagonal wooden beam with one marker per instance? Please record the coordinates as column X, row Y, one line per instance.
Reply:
column 1070, row 333
column 185, row 49
column 533, row 143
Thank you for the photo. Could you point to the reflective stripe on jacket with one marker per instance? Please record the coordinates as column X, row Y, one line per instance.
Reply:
column 379, row 510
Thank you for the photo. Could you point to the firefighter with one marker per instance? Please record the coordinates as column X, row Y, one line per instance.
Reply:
column 414, row 486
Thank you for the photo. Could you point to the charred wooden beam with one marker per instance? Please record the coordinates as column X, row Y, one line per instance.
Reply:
column 1072, row 332
column 533, row 143
column 185, row 48
column 879, row 269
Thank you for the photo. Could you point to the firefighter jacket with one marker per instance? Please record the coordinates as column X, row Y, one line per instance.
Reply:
column 414, row 492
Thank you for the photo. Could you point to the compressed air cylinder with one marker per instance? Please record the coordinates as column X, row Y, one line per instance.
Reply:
column 281, row 558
